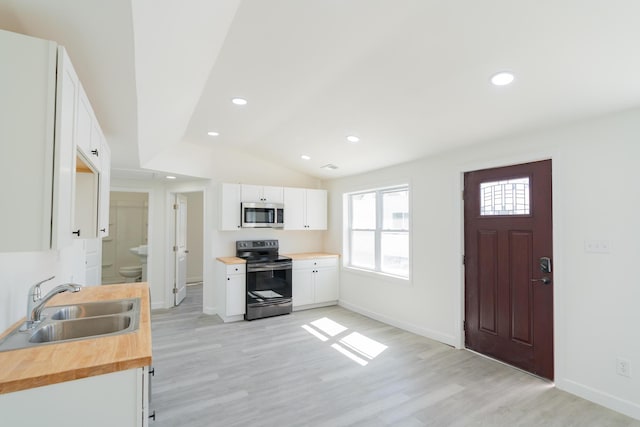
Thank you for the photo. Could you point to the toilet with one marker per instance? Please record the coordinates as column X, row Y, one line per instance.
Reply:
column 132, row 273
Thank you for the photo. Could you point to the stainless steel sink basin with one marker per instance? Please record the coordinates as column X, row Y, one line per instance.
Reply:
column 80, row 328
column 90, row 309
column 76, row 322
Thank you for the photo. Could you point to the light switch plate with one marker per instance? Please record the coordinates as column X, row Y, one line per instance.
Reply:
column 597, row 246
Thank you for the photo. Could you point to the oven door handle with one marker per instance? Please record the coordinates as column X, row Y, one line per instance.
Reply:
column 269, row 267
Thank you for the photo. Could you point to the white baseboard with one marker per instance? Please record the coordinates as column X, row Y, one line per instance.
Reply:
column 437, row 336
column 607, row 400
column 156, row 305
column 210, row 310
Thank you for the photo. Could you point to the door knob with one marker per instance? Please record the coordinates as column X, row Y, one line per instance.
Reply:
column 545, row 280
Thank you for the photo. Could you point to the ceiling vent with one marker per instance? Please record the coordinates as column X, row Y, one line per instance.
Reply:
column 329, row 166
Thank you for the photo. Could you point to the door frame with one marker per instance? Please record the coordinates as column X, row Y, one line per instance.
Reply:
column 459, row 309
column 150, row 213
column 170, row 197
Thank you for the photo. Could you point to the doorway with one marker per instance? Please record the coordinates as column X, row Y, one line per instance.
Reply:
column 508, row 265
column 188, row 242
column 128, row 232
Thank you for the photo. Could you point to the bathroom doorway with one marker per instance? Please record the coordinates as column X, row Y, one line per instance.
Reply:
column 124, row 251
column 185, row 264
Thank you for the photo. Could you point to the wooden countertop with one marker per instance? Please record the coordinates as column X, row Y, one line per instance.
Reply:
column 230, row 260
column 311, row 255
column 54, row 363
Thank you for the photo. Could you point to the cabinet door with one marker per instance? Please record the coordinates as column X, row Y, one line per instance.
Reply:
column 96, row 144
column 316, row 209
column 63, row 215
column 302, row 286
column 251, row 193
column 236, row 288
column 326, row 284
column 294, row 200
column 230, row 207
column 104, row 189
column 83, row 123
column 27, row 113
column 272, row 194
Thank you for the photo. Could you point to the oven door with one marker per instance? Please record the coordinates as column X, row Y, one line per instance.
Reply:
column 261, row 215
column 269, row 280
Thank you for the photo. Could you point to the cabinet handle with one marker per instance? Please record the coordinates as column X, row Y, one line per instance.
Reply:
column 228, row 278
column 104, row 230
column 77, row 233
column 153, row 416
column 95, row 152
column 152, row 372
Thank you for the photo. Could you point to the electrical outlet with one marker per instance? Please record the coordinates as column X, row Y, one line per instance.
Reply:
column 623, row 367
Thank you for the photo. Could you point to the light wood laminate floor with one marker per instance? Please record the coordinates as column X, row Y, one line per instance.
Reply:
column 279, row 372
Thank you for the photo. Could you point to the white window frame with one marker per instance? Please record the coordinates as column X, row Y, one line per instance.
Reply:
column 377, row 231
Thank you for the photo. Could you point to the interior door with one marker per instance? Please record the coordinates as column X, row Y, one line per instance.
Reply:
column 180, row 248
column 508, row 265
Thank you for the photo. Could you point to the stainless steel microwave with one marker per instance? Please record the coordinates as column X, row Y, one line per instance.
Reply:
column 262, row 215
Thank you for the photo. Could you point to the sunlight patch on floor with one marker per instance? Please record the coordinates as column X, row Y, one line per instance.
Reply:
column 357, row 347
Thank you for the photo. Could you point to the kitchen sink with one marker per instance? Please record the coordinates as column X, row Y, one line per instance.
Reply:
column 76, row 322
column 80, row 328
column 90, row 309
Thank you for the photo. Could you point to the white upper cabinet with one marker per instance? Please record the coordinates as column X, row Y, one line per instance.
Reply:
column 63, row 212
column 104, row 189
column 305, row 209
column 40, row 118
column 230, row 207
column 258, row 193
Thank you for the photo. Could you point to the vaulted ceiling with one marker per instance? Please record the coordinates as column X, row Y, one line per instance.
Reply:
column 410, row 78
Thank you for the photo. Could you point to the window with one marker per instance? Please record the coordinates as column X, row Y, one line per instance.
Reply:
column 378, row 230
column 510, row 197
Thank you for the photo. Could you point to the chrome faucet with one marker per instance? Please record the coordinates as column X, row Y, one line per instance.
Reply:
column 35, row 302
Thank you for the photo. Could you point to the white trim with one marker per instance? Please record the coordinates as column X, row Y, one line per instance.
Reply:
column 428, row 333
column 625, row 407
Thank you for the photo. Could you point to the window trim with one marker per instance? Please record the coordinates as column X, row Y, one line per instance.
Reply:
column 378, row 231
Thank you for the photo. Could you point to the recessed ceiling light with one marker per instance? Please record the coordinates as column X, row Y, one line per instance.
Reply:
column 213, row 133
column 170, row 177
column 239, row 101
column 305, row 157
column 329, row 166
column 502, row 78
column 353, row 139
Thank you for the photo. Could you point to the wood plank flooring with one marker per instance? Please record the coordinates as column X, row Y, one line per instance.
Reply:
column 275, row 372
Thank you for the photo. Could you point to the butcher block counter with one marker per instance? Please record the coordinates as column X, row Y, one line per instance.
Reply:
column 55, row 363
column 311, row 255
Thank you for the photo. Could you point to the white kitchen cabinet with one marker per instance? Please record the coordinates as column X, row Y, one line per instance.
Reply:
column 231, row 280
column 40, row 119
column 104, row 189
column 32, row 164
column 259, row 193
column 229, row 208
column 305, row 209
column 75, row 403
column 315, row 282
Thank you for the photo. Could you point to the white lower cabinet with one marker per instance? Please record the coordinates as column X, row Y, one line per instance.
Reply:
column 315, row 282
column 108, row 400
column 231, row 279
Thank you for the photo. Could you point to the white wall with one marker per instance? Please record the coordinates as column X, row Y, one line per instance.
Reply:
column 596, row 295
column 195, row 236
column 20, row 270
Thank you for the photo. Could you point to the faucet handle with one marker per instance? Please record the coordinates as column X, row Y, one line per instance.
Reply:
column 35, row 289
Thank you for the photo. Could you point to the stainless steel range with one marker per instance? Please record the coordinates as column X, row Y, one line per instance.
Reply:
column 268, row 278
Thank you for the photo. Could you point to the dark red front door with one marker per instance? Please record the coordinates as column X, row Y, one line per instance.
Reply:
column 509, row 265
